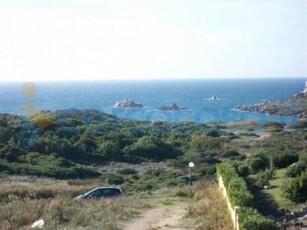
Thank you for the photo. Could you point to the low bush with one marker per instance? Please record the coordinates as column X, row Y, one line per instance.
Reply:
column 127, row 171
column 110, row 178
column 52, row 165
column 264, row 177
column 296, row 169
column 256, row 164
column 284, row 159
column 251, row 219
column 243, row 170
column 295, row 189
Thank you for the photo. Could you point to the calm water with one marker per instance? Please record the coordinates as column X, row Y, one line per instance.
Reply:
column 194, row 94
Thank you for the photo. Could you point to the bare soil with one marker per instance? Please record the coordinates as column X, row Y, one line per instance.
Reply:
column 163, row 217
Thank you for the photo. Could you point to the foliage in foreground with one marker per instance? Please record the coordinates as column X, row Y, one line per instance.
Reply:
column 239, row 195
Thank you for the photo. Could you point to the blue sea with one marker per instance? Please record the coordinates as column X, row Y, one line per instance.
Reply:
column 194, row 94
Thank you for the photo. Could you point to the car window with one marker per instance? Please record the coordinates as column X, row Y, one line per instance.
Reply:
column 95, row 193
column 105, row 192
column 110, row 192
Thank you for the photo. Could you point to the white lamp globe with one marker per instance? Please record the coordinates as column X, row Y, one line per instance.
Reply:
column 191, row 164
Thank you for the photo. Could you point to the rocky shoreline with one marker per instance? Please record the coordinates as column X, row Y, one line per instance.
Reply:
column 294, row 106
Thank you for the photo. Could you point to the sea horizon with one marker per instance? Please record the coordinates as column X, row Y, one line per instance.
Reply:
column 194, row 94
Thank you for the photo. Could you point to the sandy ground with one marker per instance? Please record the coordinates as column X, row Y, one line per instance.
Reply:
column 164, row 217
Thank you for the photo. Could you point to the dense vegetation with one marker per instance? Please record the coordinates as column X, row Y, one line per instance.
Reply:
column 86, row 143
column 56, row 145
column 74, row 143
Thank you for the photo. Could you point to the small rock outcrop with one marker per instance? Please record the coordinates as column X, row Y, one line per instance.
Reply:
column 172, row 106
column 215, row 97
column 127, row 103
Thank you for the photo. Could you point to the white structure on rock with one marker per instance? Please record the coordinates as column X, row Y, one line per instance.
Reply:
column 305, row 90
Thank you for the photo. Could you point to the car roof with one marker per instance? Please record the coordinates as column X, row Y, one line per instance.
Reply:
column 103, row 187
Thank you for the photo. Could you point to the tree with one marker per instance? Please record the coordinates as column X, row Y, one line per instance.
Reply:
column 110, row 150
column 284, row 159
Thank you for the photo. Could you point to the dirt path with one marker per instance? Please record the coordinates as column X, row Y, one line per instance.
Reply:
column 164, row 217
column 262, row 136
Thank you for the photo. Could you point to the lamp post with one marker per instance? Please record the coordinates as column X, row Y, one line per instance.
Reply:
column 191, row 165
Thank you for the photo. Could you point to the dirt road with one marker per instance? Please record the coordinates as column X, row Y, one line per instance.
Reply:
column 163, row 217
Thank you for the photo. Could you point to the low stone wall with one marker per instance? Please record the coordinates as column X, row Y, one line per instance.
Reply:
column 232, row 210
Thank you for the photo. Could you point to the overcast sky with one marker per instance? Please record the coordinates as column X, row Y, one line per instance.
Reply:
column 140, row 39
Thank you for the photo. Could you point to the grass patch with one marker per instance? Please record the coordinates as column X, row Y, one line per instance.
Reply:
column 276, row 193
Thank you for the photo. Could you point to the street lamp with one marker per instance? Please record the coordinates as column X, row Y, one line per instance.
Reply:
column 191, row 165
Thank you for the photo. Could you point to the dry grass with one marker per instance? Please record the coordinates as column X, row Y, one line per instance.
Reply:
column 63, row 212
column 207, row 208
column 23, row 202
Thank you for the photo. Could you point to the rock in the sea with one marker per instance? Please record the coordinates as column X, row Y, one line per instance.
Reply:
column 172, row 106
column 127, row 103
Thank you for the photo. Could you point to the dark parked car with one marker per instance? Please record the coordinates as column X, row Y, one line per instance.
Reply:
column 101, row 192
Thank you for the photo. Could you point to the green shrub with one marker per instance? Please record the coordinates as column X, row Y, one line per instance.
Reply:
column 127, row 171
column 47, row 165
column 111, row 150
column 295, row 189
column 237, row 191
column 250, row 219
column 284, row 159
column 243, row 170
column 110, row 178
column 150, row 147
column 296, row 169
column 255, row 165
column 264, row 177
column 208, row 170
column 230, row 153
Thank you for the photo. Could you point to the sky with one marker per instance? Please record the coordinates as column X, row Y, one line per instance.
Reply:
column 158, row 39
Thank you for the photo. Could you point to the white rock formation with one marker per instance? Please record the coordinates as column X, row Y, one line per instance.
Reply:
column 127, row 103
column 305, row 90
